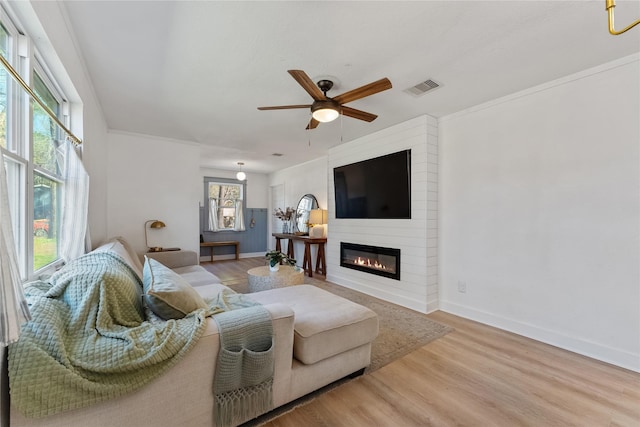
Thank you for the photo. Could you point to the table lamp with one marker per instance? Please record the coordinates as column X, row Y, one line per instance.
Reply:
column 317, row 219
column 154, row 224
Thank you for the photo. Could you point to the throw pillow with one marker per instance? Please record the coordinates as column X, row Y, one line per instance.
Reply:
column 166, row 293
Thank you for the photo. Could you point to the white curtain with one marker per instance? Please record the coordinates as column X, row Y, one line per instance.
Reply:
column 74, row 236
column 239, row 223
column 13, row 306
column 213, row 215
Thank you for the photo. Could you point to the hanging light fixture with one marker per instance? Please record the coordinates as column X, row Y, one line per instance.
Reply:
column 325, row 110
column 241, row 176
column 610, row 4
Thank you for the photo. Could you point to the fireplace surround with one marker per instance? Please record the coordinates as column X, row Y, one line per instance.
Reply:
column 376, row 260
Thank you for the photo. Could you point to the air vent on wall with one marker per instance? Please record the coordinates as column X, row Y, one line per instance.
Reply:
column 423, row 87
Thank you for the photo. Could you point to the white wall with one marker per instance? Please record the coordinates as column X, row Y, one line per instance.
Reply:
column 540, row 213
column 154, row 178
column 306, row 178
column 416, row 238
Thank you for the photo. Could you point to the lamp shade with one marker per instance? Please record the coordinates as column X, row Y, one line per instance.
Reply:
column 318, row 216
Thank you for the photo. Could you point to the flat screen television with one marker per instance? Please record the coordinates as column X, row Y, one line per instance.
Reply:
column 374, row 188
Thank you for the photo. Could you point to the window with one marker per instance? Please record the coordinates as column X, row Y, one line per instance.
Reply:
column 46, row 177
column 28, row 142
column 225, row 202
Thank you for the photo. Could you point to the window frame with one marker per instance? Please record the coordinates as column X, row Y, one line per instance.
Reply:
column 26, row 60
column 222, row 181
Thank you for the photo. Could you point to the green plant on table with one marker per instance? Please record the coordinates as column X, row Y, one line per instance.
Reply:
column 274, row 257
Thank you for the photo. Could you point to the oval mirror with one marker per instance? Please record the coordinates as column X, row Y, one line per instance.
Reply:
column 306, row 203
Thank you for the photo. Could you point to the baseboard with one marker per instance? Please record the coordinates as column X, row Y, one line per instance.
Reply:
column 205, row 258
column 433, row 306
column 590, row 349
column 412, row 304
column 254, row 255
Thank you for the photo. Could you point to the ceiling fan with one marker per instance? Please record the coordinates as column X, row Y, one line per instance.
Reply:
column 325, row 109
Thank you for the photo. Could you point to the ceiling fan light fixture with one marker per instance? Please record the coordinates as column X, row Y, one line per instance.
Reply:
column 325, row 111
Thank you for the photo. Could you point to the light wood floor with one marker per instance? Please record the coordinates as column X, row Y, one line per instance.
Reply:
column 474, row 376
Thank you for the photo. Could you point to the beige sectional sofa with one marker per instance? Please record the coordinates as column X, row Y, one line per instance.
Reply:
column 318, row 339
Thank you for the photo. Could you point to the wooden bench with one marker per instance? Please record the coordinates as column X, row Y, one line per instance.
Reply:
column 212, row 245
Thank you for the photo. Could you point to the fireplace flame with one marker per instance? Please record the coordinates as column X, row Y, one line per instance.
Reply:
column 366, row 262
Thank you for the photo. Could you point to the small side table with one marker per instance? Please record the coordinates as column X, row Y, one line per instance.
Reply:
column 262, row 278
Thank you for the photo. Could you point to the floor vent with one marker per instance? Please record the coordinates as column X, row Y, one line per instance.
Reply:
column 423, row 87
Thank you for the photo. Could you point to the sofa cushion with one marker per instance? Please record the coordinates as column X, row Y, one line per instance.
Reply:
column 196, row 275
column 174, row 259
column 325, row 324
column 123, row 249
column 167, row 294
column 209, row 292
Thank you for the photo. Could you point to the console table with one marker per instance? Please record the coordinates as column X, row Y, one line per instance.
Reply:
column 321, row 263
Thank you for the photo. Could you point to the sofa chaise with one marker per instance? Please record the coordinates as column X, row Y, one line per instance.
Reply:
column 318, row 338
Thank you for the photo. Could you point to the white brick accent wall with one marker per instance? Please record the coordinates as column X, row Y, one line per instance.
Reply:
column 417, row 238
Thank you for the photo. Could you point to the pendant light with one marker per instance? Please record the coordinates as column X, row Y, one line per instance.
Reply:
column 241, row 176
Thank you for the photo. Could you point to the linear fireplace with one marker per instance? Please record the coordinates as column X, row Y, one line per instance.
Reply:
column 371, row 259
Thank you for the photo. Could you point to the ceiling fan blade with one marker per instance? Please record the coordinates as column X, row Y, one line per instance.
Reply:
column 307, row 84
column 358, row 114
column 284, row 107
column 362, row 91
column 313, row 123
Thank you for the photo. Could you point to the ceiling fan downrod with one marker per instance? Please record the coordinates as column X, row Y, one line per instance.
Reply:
column 325, row 86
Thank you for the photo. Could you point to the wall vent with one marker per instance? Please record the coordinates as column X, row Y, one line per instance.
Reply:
column 423, row 87
column 277, row 154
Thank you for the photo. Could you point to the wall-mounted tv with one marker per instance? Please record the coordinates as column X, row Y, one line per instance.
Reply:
column 374, row 188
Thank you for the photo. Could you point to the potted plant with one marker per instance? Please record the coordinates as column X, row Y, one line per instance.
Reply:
column 275, row 257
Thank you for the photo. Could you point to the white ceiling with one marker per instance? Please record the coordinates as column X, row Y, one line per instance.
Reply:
column 197, row 71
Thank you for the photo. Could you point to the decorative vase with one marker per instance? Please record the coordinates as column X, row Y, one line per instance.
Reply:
column 274, row 267
column 285, row 227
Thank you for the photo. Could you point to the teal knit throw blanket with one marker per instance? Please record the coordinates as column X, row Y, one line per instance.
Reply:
column 244, row 370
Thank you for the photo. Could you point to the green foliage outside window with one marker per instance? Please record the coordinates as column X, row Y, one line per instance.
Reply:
column 45, row 130
column 45, row 190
